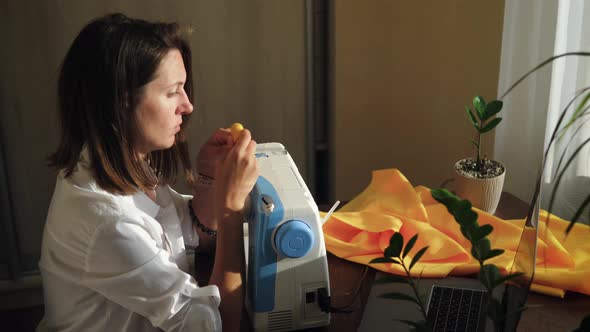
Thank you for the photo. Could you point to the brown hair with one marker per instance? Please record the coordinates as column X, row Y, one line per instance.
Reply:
column 101, row 81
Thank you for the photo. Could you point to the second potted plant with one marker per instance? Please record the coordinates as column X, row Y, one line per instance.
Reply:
column 480, row 180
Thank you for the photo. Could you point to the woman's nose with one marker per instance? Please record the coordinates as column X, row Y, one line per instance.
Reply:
column 186, row 107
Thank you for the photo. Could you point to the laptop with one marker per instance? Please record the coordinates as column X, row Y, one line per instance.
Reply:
column 456, row 303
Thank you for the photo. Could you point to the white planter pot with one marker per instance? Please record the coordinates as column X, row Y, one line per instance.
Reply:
column 483, row 194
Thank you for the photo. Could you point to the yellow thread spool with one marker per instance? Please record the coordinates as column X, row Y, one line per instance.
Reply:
column 236, row 129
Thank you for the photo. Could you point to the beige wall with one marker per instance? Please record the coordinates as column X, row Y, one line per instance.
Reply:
column 402, row 72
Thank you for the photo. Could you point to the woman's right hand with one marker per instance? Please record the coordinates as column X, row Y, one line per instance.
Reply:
column 236, row 175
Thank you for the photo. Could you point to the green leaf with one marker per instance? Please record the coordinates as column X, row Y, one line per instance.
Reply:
column 460, row 209
column 444, row 196
column 409, row 245
column 558, row 181
column 491, row 125
column 454, row 205
column 472, row 118
column 417, row 257
column 508, row 277
column 488, row 274
column 481, row 232
column 399, row 296
column 577, row 112
column 384, row 260
column 392, row 279
column 458, row 205
column 466, row 231
column 561, row 171
column 483, row 246
column 577, row 214
column 574, row 117
column 466, row 217
column 395, row 245
column 462, row 212
column 542, row 64
column 475, row 253
column 441, row 194
column 480, row 106
column 493, row 253
column 492, row 108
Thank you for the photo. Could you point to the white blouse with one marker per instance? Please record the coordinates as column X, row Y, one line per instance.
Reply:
column 118, row 263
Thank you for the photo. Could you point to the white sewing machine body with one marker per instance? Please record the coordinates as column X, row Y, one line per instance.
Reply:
column 287, row 271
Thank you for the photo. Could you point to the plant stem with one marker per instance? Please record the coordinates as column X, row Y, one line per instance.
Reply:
column 497, row 326
column 415, row 289
column 478, row 163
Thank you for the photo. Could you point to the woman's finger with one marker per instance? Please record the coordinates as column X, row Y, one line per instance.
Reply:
column 251, row 148
column 243, row 140
column 219, row 137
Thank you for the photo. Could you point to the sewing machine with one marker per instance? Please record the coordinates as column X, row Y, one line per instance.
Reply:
column 287, row 271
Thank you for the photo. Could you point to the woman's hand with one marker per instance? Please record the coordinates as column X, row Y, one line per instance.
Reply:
column 213, row 151
column 236, row 175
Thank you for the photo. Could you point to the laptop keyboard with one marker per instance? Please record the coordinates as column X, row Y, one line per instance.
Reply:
column 456, row 309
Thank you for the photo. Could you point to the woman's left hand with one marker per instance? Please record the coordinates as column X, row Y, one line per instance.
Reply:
column 216, row 148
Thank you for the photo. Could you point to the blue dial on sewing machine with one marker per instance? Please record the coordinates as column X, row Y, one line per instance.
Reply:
column 294, row 239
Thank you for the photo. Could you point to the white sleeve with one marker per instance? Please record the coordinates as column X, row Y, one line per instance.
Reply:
column 125, row 264
column 191, row 238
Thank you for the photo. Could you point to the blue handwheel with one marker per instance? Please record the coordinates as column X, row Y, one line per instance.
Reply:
column 294, row 239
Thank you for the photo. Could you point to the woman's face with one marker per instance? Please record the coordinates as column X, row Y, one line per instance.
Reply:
column 164, row 101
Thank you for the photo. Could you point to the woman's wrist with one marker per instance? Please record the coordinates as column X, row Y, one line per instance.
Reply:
column 229, row 220
column 204, row 180
column 197, row 222
column 202, row 205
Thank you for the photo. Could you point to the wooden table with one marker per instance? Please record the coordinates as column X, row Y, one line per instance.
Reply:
column 351, row 283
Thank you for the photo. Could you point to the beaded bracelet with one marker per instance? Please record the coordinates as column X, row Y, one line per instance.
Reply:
column 197, row 222
column 204, row 180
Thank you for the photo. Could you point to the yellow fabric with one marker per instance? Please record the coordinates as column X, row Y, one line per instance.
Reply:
column 360, row 231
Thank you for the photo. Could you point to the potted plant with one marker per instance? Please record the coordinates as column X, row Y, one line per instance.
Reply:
column 477, row 234
column 480, row 180
column 489, row 274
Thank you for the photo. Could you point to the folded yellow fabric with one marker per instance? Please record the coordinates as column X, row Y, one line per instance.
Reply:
column 360, row 231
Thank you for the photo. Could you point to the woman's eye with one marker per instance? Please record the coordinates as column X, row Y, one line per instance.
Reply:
column 179, row 90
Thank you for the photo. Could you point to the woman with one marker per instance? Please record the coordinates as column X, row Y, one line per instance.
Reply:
column 113, row 254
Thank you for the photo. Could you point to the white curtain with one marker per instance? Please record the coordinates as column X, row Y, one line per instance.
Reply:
column 533, row 32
